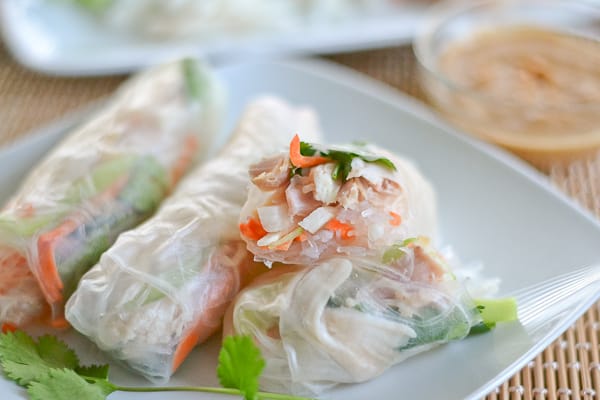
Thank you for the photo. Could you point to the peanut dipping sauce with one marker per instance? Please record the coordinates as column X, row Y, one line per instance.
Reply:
column 532, row 90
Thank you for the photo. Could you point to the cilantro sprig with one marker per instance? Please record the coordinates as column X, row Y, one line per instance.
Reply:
column 343, row 159
column 51, row 371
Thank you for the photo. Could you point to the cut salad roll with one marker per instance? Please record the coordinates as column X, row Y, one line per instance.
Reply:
column 107, row 176
column 348, row 320
column 164, row 286
column 315, row 202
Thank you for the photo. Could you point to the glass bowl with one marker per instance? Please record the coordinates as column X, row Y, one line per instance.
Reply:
column 524, row 74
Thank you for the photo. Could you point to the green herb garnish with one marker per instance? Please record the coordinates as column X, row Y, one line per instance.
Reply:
column 343, row 160
column 307, row 149
column 50, row 370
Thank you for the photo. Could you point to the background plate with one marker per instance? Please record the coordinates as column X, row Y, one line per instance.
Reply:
column 492, row 208
column 54, row 38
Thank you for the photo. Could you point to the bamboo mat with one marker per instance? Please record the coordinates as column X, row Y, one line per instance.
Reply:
column 568, row 369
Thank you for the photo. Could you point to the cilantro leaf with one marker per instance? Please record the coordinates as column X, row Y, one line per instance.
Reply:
column 93, row 371
column 24, row 360
column 343, row 159
column 240, row 365
column 307, row 149
column 65, row 384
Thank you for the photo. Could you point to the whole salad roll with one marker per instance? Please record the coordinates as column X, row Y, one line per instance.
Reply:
column 107, row 176
column 164, row 286
column 347, row 320
column 315, row 202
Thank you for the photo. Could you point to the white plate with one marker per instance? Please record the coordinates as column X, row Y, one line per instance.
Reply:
column 55, row 38
column 492, row 207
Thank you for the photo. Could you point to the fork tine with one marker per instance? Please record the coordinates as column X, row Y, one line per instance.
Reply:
column 560, row 292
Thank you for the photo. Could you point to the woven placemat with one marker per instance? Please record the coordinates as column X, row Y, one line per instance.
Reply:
column 568, row 369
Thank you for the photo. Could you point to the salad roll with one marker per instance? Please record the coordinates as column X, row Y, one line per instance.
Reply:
column 348, row 320
column 315, row 202
column 164, row 286
column 107, row 176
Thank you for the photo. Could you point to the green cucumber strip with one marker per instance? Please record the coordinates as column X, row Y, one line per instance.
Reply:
column 79, row 251
column 99, row 179
column 93, row 5
column 147, row 186
column 24, row 227
column 194, row 79
column 497, row 310
column 288, row 237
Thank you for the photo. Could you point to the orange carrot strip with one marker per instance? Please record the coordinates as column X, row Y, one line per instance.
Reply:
column 225, row 287
column 343, row 228
column 8, row 327
column 252, row 229
column 284, row 246
column 26, row 210
column 302, row 237
column 49, row 278
column 186, row 346
column 273, row 332
column 60, row 323
column 300, row 161
column 185, row 158
column 396, row 219
column 50, row 281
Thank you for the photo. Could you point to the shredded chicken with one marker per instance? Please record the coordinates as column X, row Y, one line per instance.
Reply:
column 270, row 173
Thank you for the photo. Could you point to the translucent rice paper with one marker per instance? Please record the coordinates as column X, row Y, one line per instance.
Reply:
column 376, row 206
column 347, row 321
column 107, row 176
column 164, row 286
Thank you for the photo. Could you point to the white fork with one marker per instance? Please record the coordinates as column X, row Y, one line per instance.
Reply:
column 542, row 304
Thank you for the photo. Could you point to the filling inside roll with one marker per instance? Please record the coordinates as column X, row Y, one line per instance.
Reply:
column 317, row 202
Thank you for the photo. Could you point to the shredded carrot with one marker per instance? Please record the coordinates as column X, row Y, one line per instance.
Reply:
column 50, row 280
column 59, row 323
column 185, row 159
column 190, row 340
column 273, row 332
column 396, row 219
column 26, row 210
column 207, row 322
column 302, row 237
column 253, row 229
column 338, row 226
column 300, row 161
column 284, row 246
column 8, row 327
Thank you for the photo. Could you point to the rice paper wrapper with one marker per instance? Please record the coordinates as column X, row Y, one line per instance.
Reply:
column 107, row 176
column 349, row 320
column 164, row 286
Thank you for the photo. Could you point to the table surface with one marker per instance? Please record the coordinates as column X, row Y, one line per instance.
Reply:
column 567, row 369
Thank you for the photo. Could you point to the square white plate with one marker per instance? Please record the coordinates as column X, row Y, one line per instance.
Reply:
column 492, row 208
column 56, row 38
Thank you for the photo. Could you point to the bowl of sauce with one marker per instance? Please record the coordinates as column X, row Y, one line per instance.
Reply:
column 522, row 74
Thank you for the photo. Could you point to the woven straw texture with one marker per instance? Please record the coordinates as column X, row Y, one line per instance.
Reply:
column 568, row 369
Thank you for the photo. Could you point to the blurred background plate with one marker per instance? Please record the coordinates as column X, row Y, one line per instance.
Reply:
column 55, row 37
